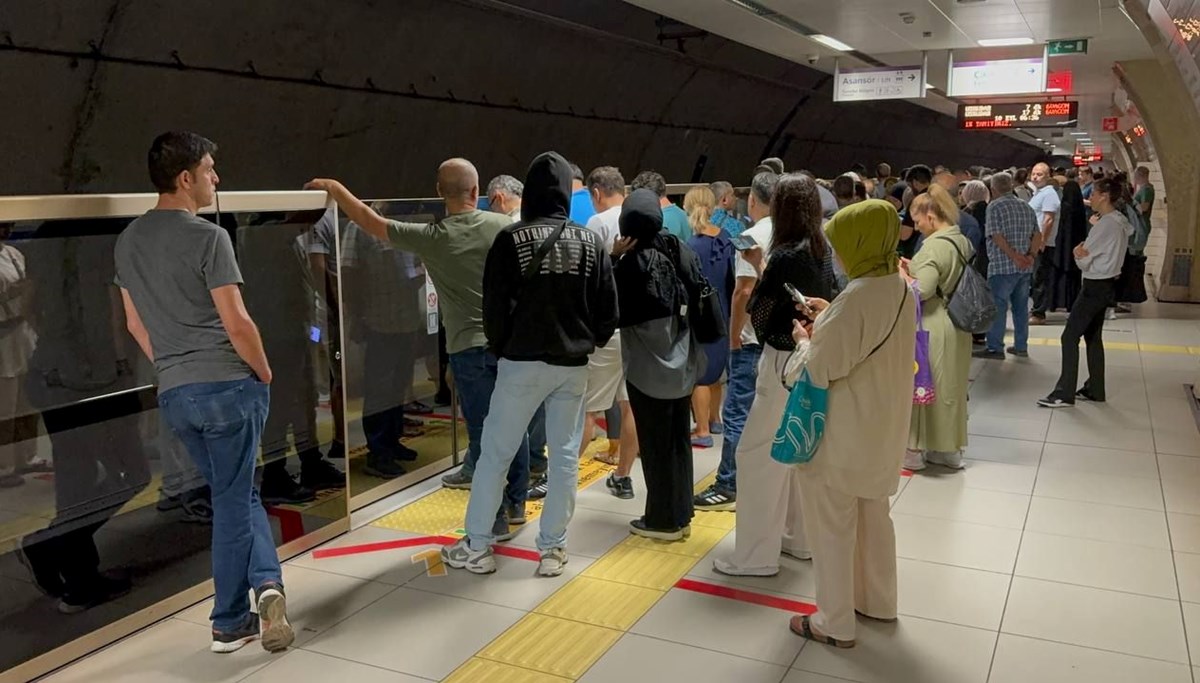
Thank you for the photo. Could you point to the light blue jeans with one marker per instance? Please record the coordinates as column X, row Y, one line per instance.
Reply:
column 522, row 386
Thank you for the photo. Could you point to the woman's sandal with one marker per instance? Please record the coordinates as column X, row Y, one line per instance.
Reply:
column 612, row 458
column 801, row 625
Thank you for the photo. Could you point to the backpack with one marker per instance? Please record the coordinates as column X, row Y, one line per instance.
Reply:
column 970, row 306
column 1141, row 231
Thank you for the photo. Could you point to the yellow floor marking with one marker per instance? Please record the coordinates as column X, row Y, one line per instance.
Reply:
column 485, row 671
column 551, row 645
column 1163, row 348
column 600, row 603
column 1194, row 350
column 716, row 520
column 639, row 567
column 703, row 539
column 432, row 559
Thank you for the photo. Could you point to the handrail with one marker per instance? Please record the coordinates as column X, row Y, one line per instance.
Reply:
column 73, row 206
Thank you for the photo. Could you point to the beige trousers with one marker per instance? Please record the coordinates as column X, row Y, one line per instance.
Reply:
column 854, row 554
column 769, row 518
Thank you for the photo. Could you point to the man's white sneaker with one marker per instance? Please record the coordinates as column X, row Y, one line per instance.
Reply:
column 952, row 460
column 729, row 569
column 460, row 556
column 552, row 562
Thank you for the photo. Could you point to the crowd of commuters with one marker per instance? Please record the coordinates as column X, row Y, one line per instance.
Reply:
column 573, row 298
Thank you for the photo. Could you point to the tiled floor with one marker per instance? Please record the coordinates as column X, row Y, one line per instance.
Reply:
column 1068, row 551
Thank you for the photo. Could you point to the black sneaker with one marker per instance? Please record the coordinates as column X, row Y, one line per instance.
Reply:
column 459, row 480
column 277, row 633
column 501, row 529
column 98, row 590
column 538, row 488
column 621, row 487
column 167, row 503
column 383, row 467
column 713, row 498
column 1054, row 402
column 638, row 528
column 321, row 475
column 515, row 513
column 988, row 354
column 405, row 453
column 337, row 450
column 1018, row 353
column 224, row 642
column 197, row 510
column 1085, row 395
column 281, row 489
column 48, row 582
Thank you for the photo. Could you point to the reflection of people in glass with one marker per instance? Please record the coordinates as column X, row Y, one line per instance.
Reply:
column 17, row 430
column 80, row 380
column 279, row 297
column 320, row 244
column 382, row 289
column 180, row 280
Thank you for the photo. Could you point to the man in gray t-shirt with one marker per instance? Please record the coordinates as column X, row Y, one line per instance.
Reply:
column 179, row 282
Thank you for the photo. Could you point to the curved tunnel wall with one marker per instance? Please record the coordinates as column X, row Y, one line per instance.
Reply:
column 378, row 93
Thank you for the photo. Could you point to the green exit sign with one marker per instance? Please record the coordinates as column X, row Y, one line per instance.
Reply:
column 1067, row 47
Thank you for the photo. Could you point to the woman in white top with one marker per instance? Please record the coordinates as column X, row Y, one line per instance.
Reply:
column 1100, row 258
column 17, row 447
column 861, row 347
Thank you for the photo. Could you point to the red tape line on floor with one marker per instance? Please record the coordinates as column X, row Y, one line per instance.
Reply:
column 751, row 597
column 506, row 551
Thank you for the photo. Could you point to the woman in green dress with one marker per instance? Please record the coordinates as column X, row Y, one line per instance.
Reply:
column 939, row 430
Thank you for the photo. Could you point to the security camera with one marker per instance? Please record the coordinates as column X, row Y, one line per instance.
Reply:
column 813, row 59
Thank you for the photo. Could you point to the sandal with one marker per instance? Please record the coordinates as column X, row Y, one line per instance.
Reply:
column 801, row 625
column 611, row 457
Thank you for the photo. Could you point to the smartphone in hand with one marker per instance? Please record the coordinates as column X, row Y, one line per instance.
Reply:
column 744, row 242
column 801, row 301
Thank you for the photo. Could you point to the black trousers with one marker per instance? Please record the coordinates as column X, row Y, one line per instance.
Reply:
column 1043, row 283
column 664, row 437
column 1087, row 322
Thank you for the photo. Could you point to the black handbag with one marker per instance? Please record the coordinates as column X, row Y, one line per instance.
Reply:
column 707, row 318
column 1131, row 285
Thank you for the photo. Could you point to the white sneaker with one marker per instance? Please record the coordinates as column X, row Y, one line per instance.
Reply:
column 952, row 460
column 729, row 569
column 552, row 562
column 277, row 633
column 460, row 556
column 914, row 461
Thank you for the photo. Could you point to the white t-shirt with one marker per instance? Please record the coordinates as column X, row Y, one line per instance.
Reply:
column 762, row 232
column 1046, row 201
column 608, row 224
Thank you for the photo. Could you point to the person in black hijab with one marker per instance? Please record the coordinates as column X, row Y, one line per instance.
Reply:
column 656, row 280
column 1072, row 230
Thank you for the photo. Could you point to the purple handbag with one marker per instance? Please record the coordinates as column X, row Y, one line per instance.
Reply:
column 923, row 390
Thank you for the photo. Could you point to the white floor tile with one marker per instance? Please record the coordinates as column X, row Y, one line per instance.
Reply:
column 1029, row 429
column 515, row 583
column 1008, row 451
column 1180, row 440
column 742, row 629
column 1099, row 522
column 172, row 651
column 590, row 534
column 1187, row 569
column 1102, row 428
column 1026, row 660
column 638, row 658
column 417, row 633
column 1191, row 617
column 1182, row 494
column 1099, row 564
column 909, row 651
column 386, row 566
column 1174, row 466
column 927, row 498
column 316, row 600
column 968, row 597
column 1085, row 616
column 796, row 577
column 798, row 676
column 301, row 665
column 1100, row 461
column 1099, row 488
column 956, row 543
column 1185, row 532
column 985, row 475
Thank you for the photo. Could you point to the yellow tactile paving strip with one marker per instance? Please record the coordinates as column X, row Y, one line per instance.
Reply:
column 573, row 628
column 1121, row 346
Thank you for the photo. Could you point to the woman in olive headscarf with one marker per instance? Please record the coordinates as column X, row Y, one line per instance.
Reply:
column 861, row 348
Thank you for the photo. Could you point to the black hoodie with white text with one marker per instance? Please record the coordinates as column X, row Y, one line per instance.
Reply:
column 569, row 306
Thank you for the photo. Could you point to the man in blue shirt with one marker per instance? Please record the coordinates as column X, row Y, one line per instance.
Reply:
column 1047, row 205
column 581, row 200
column 725, row 217
column 675, row 220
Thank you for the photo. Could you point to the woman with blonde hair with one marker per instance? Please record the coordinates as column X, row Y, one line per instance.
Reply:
column 939, row 430
column 713, row 246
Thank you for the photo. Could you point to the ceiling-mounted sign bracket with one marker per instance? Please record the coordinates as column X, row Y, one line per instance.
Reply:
column 880, row 83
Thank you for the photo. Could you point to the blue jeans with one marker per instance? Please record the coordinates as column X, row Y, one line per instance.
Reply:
column 475, row 378
column 739, row 396
column 522, row 386
column 538, row 462
column 220, row 424
column 1008, row 289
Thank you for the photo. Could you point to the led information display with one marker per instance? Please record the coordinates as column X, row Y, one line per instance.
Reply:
column 1018, row 115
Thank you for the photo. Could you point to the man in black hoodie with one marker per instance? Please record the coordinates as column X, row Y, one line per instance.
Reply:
column 548, row 302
